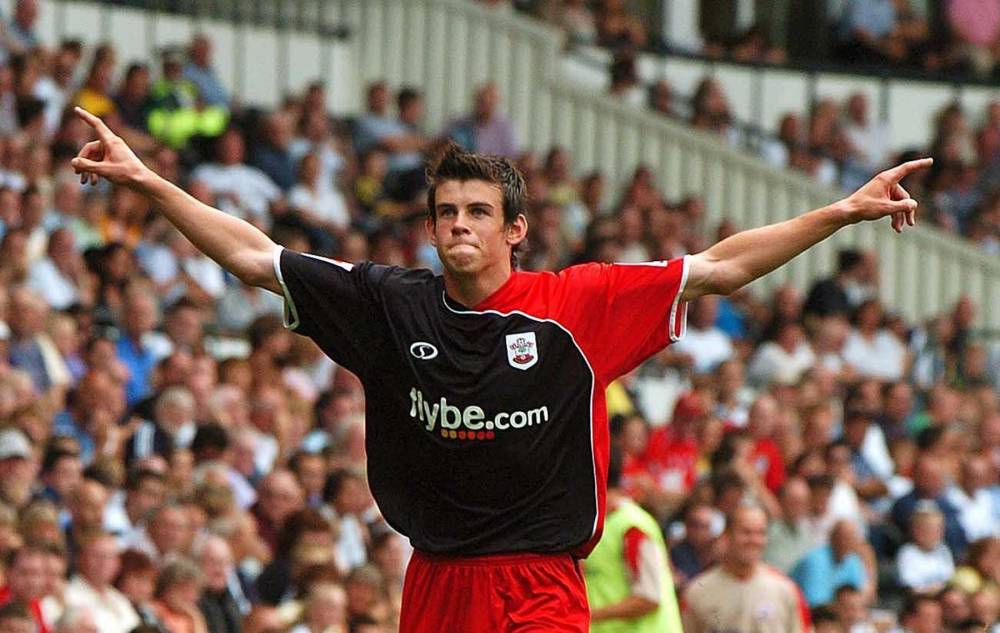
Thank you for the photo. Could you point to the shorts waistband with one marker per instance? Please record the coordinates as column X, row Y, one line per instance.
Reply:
column 494, row 559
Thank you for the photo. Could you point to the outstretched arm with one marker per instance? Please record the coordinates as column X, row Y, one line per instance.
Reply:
column 237, row 246
column 737, row 260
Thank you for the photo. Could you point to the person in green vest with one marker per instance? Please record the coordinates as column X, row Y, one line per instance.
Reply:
column 629, row 585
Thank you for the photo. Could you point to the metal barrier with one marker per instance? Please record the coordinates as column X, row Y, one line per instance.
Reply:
column 448, row 47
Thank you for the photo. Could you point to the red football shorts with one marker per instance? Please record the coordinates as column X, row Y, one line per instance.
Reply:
column 515, row 593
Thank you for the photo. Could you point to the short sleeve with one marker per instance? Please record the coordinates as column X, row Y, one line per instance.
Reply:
column 621, row 314
column 336, row 304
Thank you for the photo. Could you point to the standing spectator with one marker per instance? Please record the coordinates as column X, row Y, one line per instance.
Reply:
column 788, row 536
column 925, row 564
column 827, row 567
column 485, row 130
column 198, row 70
column 736, row 593
column 628, row 577
column 97, row 565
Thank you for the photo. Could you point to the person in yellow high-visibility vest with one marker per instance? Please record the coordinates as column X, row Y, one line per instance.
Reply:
column 629, row 584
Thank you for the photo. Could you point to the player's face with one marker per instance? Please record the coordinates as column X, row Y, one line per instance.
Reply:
column 469, row 230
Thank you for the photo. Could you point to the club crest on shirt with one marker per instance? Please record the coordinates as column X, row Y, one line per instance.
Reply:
column 522, row 350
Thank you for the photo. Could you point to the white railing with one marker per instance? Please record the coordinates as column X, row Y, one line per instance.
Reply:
column 448, row 47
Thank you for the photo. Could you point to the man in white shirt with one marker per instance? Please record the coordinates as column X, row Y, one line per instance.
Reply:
column 97, row 564
column 245, row 191
column 870, row 139
column 704, row 342
column 979, row 513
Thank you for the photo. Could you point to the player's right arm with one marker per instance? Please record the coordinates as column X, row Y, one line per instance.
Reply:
column 234, row 244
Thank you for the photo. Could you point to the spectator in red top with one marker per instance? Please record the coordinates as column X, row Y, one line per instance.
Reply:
column 26, row 582
column 672, row 455
column 765, row 455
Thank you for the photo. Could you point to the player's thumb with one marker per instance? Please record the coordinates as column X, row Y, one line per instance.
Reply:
column 896, row 206
column 85, row 164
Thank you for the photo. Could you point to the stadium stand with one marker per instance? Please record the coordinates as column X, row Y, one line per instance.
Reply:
column 155, row 413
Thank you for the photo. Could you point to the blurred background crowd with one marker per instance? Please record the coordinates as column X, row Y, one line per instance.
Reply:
column 173, row 459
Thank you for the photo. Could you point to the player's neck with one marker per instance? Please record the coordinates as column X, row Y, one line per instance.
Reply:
column 471, row 290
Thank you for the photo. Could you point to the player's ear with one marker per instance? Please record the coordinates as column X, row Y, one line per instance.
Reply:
column 429, row 227
column 517, row 230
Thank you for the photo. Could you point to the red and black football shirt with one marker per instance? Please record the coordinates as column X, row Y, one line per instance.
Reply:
column 486, row 426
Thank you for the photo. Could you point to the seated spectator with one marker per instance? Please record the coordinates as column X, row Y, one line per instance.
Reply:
column 617, row 28
column 199, row 71
column 870, row 138
column 783, row 359
column 485, row 130
column 97, row 564
column 240, row 189
column 176, row 116
column 825, row 568
column 624, row 84
column 133, row 99
column 851, row 606
column 95, row 95
column 697, row 551
column 975, row 26
column 977, row 498
column 273, row 155
column 788, row 535
column 321, row 209
column 704, row 341
column 924, row 564
column 25, row 583
column 19, row 35
column 929, row 485
column 223, row 601
column 400, row 137
column 325, row 609
column 178, row 587
column 315, row 136
column 868, row 33
column 576, row 18
column 872, row 350
column 61, row 277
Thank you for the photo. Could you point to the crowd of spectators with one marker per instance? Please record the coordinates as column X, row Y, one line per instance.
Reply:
column 173, row 459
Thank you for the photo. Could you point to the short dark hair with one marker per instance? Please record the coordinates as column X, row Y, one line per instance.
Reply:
column 454, row 163
column 15, row 610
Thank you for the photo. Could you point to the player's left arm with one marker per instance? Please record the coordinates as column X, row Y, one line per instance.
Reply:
column 737, row 260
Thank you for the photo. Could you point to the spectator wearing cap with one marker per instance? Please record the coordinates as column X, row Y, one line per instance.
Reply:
column 925, row 564
column 97, row 565
column 17, row 470
column 829, row 566
column 199, row 71
column 788, row 536
column 629, row 583
column 25, row 573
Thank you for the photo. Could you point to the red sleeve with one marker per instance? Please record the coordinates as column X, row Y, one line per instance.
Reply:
column 621, row 314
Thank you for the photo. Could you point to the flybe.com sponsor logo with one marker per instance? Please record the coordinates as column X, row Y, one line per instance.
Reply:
column 469, row 423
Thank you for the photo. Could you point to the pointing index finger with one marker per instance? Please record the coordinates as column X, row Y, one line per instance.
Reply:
column 899, row 172
column 103, row 131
